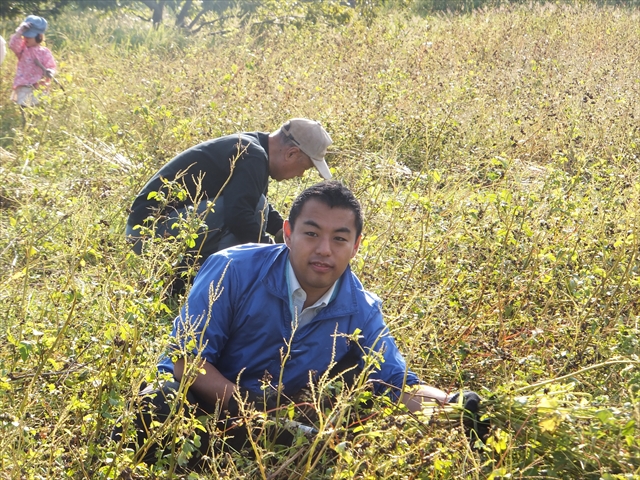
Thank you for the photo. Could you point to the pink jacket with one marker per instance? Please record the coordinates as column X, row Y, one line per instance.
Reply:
column 29, row 73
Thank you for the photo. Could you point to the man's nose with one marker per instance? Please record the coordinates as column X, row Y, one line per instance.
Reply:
column 324, row 246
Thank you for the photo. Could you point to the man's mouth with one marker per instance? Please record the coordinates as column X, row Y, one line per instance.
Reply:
column 320, row 266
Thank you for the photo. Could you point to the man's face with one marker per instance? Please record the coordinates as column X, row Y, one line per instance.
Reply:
column 321, row 245
column 294, row 163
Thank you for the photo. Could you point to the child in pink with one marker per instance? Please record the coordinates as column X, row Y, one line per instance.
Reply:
column 36, row 66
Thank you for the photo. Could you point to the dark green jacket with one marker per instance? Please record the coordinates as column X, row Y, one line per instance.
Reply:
column 247, row 153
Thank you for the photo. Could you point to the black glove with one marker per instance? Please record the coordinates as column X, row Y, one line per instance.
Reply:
column 471, row 420
column 263, row 401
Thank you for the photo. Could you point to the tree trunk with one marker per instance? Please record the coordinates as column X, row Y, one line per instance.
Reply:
column 158, row 8
column 157, row 13
column 184, row 11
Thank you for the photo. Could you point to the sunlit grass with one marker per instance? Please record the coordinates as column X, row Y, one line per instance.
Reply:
column 496, row 157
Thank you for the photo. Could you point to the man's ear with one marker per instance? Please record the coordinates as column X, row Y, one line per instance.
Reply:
column 292, row 154
column 356, row 246
column 286, row 231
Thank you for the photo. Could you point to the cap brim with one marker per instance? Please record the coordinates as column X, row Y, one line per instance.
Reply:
column 322, row 167
column 31, row 33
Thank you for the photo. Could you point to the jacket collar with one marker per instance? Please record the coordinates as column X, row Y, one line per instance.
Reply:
column 263, row 138
column 274, row 279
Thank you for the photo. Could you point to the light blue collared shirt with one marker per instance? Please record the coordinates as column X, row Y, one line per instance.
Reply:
column 297, row 297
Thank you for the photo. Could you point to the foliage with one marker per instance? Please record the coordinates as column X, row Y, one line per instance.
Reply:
column 13, row 8
column 195, row 15
column 498, row 170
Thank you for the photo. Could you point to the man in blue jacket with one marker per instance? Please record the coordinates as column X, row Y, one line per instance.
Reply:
column 262, row 321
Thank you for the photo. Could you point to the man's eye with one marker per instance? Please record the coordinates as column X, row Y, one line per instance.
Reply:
column 311, row 234
column 341, row 239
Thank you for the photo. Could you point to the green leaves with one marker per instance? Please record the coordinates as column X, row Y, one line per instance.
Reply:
column 25, row 348
column 498, row 174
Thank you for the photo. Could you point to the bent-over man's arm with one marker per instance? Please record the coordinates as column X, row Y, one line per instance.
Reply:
column 249, row 180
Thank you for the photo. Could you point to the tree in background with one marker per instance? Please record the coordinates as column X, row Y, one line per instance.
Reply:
column 194, row 15
column 14, row 8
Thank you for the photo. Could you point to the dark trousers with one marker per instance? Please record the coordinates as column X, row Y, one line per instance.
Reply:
column 157, row 404
column 214, row 237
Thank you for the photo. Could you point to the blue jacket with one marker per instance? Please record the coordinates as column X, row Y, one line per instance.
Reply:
column 238, row 315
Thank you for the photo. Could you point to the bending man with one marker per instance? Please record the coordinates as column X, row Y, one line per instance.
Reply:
column 234, row 171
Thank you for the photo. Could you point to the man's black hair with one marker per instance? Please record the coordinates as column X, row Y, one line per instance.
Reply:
column 334, row 195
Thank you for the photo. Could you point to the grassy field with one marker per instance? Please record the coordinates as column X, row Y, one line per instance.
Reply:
column 496, row 157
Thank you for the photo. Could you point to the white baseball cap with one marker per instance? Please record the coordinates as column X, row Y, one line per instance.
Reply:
column 312, row 140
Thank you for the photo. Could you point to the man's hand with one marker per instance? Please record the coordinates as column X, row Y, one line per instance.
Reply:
column 470, row 400
column 422, row 393
column 279, row 237
column 471, row 420
column 259, row 401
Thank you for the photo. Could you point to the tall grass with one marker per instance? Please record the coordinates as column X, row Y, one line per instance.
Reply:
column 496, row 157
